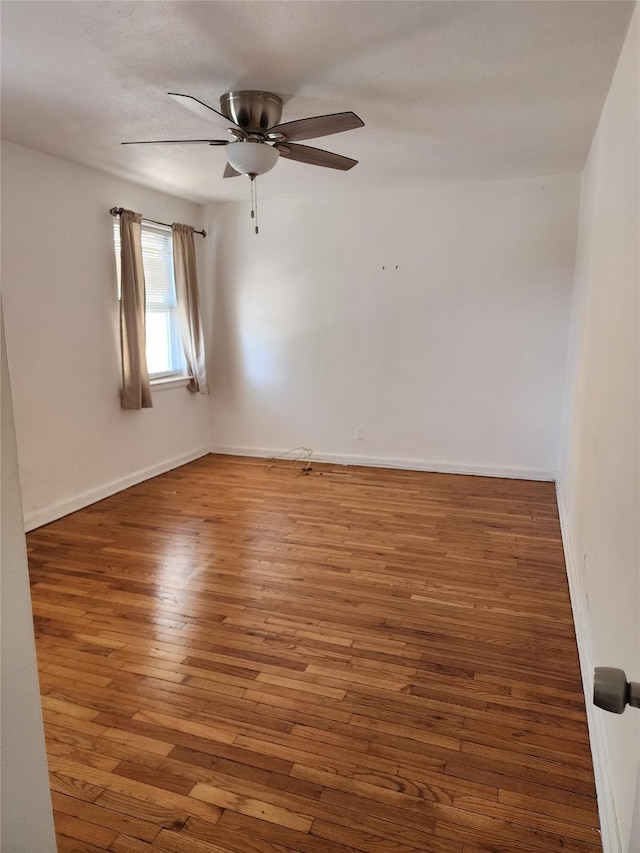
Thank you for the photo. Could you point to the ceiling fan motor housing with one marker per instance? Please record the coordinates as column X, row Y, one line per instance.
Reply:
column 253, row 111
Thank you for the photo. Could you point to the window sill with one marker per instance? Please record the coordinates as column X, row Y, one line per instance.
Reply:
column 164, row 383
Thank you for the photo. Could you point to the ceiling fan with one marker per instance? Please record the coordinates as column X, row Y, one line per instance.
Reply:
column 258, row 140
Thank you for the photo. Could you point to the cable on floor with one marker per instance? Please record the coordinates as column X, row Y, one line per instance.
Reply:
column 304, row 454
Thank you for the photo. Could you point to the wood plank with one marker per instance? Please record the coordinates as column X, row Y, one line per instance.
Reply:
column 104, row 817
column 81, row 830
column 252, row 807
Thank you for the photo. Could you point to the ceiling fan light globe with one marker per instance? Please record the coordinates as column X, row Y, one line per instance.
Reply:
column 251, row 158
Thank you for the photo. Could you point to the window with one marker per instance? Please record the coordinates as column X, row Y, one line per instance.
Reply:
column 165, row 356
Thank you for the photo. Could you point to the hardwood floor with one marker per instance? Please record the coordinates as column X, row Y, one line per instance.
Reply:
column 239, row 657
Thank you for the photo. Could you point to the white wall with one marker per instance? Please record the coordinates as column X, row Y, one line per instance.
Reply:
column 26, row 817
column 599, row 483
column 75, row 443
column 454, row 361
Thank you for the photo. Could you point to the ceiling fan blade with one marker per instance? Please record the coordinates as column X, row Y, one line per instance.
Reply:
column 315, row 156
column 230, row 172
column 179, row 142
column 202, row 109
column 312, row 128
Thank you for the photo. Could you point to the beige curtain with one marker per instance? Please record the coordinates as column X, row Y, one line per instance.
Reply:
column 188, row 305
column 136, row 391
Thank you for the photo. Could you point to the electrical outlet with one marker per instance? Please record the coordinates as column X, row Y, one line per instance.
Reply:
column 359, row 433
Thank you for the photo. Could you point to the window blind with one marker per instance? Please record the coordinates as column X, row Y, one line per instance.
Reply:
column 163, row 344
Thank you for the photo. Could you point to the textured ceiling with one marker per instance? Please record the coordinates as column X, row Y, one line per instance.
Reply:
column 449, row 91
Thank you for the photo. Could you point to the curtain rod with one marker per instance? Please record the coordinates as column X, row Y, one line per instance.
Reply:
column 116, row 211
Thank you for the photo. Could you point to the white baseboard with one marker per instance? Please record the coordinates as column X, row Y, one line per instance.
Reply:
column 44, row 515
column 394, row 462
column 611, row 841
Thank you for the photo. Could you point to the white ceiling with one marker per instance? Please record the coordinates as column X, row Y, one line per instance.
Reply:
column 449, row 91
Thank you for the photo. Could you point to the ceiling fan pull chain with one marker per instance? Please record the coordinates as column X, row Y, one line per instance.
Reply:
column 255, row 198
